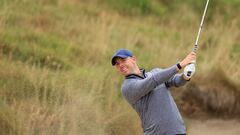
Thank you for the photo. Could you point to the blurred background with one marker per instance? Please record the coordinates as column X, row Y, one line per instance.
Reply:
column 56, row 76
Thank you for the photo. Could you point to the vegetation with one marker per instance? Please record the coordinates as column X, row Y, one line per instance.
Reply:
column 55, row 71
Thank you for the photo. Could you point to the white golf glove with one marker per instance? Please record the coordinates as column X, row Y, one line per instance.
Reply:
column 189, row 70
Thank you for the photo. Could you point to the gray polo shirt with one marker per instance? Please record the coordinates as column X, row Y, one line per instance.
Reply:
column 150, row 97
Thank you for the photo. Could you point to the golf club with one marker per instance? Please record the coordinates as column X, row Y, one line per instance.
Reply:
column 191, row 66
column 200, row 28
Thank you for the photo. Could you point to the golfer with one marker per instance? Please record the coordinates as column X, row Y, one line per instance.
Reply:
column 148, row 92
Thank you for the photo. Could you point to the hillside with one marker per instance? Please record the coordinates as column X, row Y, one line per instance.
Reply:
column 55, row 70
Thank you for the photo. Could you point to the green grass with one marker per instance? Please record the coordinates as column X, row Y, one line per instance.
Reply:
column 55, row 71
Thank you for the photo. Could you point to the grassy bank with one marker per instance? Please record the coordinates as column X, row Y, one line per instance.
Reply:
column 55, row 71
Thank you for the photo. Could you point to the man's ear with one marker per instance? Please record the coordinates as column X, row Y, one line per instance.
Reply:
column 134, row 58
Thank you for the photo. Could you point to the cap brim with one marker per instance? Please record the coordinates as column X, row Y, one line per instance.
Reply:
column 117, row 56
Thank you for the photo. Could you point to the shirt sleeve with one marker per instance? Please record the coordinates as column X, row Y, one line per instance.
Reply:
column 176, row 81
column 134, row 89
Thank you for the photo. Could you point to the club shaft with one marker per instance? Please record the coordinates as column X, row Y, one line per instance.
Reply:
column 200, row 28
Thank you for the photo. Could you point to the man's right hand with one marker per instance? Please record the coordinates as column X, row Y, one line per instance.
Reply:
column 191, row 58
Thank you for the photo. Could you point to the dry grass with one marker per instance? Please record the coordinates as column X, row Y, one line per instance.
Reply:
column 212, row 127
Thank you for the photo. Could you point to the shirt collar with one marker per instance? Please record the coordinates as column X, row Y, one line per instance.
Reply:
column 130, row 76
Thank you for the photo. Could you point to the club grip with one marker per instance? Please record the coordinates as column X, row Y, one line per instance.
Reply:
column 195, row 48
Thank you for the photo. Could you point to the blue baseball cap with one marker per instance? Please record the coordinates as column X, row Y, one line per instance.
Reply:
column 122, row 53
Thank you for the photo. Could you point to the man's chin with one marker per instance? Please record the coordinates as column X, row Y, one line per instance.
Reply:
column 125, row 73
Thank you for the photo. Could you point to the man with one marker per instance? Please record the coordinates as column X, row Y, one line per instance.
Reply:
column 148, row 93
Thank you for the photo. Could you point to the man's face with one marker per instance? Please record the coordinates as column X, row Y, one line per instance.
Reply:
column 125, row 66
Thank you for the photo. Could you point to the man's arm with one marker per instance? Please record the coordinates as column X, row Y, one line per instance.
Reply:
column 181, row 79
column 177, row 81
column 134, row 89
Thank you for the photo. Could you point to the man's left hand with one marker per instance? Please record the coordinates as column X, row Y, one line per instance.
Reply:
column 189, row 70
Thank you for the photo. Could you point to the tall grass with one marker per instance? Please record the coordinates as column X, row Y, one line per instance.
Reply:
column 55, row 70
